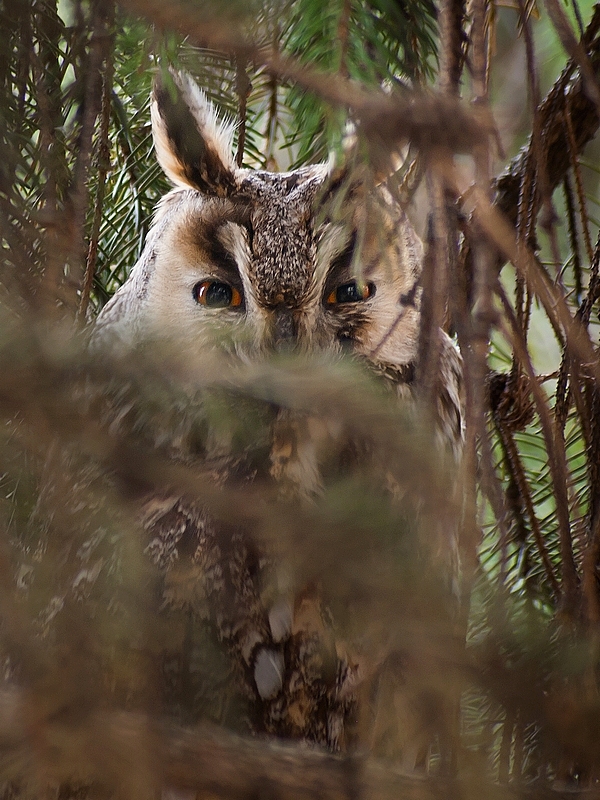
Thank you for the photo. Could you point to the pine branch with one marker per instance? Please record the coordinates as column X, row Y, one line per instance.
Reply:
column 568, row 95
column 428, row 121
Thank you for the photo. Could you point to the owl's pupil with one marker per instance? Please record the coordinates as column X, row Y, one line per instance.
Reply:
column 214, row 294
column 353, row 292
column 218, row 295
column 348, row 293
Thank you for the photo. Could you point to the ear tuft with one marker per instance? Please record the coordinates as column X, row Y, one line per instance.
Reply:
column 193, row 146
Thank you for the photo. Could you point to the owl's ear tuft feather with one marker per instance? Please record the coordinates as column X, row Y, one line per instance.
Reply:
column 193, row 146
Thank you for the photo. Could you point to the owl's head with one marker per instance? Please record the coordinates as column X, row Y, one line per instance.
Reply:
column 265, row 260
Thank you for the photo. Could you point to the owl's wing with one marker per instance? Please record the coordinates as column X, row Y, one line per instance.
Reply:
column 231, row 656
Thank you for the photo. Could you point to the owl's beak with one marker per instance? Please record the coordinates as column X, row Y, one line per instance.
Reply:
column 285, row 328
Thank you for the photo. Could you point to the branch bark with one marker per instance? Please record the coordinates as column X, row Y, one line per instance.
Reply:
column 569, row 94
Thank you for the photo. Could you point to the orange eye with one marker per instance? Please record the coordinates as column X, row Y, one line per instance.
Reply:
column 216, row 294
column 351, row 292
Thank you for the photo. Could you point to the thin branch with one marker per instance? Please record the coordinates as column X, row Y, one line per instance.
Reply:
column 516, row 468
column 434, row 280
column 475, row 335
column 556, row 459
column 573, row 237
column 578, row 183
column 574, row 49
column 539, row 152
column 428, row 121
column 590, row 586
column 569, row 90
column 103, row 169
column 99, row 52
column 501, row 233
column 451, row 17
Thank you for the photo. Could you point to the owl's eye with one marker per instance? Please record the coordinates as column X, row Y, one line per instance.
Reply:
column 216, row 294
column 351, row 292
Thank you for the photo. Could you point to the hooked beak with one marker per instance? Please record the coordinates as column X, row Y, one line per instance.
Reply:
column 285, row 328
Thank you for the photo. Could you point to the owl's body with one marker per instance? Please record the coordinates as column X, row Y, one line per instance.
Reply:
column 241, row 264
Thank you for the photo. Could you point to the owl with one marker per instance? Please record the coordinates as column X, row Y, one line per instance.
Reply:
column 241, row 265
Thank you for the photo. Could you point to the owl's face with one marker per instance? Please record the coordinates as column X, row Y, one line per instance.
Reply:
column 256, row 261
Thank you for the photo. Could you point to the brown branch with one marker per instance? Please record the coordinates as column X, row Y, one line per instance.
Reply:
column 591, row 554
column 518, row 473
column 540, row 149
column 100, row 44
column 569, row 91
column 573, row 237
column 503, row 236
column 575, row 50
column 474, row 335
column 451, row 19
column 492, row 487
column 428, row 121
column 129, row 752
column 556, row 461
column 273, row 87
column 590, row 587
column 579, row 184
column 103, row 168
column 434, row 280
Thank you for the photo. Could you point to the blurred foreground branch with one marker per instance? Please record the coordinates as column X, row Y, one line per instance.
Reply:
column 211, row 762
column 427, row 121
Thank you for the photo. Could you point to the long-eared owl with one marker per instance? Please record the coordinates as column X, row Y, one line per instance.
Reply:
column 241, row 265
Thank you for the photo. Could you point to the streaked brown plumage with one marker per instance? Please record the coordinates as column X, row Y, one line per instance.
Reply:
column 248, row 263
